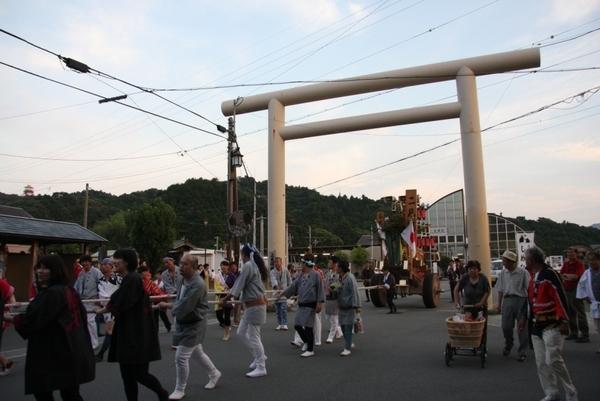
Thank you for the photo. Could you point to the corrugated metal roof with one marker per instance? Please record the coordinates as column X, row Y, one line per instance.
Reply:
column 13, row 211
column 59, row 231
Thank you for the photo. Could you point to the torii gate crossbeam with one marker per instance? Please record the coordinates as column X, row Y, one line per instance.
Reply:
column 464, row 71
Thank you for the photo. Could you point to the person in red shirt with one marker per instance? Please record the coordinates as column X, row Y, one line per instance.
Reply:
column 549, row 316
column 6, row 297
column 571, row 272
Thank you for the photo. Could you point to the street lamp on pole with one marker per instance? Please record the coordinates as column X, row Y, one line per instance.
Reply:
column 234, row 161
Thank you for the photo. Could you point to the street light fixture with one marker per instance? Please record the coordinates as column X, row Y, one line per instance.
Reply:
column 236, row 158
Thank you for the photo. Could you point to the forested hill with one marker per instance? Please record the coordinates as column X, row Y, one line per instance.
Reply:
column 335, row 220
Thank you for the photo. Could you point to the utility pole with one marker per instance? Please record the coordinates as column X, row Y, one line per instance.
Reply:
column 216, row 242
column 86, row 205
column 310, row 239
column 287, row 244
column 233, row 248
column 372, row 242
column 254, row 218
column 262, row 234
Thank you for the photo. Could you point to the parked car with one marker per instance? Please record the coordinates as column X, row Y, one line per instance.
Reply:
column 496, row 268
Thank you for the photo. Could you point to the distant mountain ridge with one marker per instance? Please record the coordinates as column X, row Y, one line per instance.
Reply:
column 201, row 213
column 597, row 226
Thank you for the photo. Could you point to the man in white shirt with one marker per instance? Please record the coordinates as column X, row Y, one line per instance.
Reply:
column 512, row 286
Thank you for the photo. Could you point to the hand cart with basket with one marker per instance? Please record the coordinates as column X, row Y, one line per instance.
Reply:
column 466, row 338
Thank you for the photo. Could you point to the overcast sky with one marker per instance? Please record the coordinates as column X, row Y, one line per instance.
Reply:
column 545, row 165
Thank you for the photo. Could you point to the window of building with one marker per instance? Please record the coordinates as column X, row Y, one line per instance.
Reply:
column 460, row 238
column 451, row 238
column 442, row 239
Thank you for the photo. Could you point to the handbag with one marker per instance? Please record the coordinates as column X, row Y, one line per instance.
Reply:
column 359, row 326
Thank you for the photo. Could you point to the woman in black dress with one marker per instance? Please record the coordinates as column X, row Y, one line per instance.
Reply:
column 59, row 350
column 134, row 343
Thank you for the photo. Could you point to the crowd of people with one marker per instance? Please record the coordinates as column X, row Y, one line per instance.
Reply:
column 63, row 319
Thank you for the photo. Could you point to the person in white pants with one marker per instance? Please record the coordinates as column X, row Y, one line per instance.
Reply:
column 550, row 320
column 331, row 303
column 249, row 285
column 190, row 309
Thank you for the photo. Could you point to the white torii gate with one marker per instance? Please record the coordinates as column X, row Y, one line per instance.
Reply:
column 467, row 109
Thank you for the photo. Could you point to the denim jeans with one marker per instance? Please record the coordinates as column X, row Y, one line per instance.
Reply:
column 281, row 312
column 347, row 330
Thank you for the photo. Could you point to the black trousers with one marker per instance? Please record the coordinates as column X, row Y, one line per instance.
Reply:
column 452, row 285
column 390, row 301
column 224, row 316
column 307, row 335
column 132, row 374
column 67, row 394
column 164, row 317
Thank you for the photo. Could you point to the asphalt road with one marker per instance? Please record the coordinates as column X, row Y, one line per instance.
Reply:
column 400, row 357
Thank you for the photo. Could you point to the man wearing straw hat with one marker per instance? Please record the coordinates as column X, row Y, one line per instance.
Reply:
column 512, row 286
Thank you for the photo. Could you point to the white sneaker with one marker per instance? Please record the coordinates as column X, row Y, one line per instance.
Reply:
column 278, row 327
column 214, row 379
column 304, row 347
column 551, row 398
column 352, row 345
column 339, row 334
column 253, row 365
column 307, row 354
column 329, row 340
column 284, row 327
column 318, row 344
column 295, row 344
column 345, row 352
column 176, row 395
column 258, row 372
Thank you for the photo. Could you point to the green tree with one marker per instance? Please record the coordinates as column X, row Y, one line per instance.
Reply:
column 359, row 255
column 325, row 237
column 152, row 230
column 114, row 229
column 341, row 255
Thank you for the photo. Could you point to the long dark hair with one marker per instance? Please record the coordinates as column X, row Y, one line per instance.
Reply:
column 58, row 271
column 247, row 250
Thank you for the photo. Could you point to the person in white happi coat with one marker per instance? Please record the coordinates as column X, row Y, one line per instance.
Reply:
column 349, row 303
column 86, row 286
column 189, row 309
column 311, row 296
column 249, row 288
column 588, row 287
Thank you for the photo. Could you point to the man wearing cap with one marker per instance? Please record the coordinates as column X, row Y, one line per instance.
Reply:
column 86, row 286
column 512, row 286
column 311, row 295
column 171, row 280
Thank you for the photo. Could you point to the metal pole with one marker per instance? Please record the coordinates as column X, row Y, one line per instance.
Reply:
column 276, row 196
column 478, row 230
column 310, row 239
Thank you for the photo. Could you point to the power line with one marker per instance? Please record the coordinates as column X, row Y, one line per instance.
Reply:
column 568, row 99
column 571, row 38
column 83, row 68
column 103, row 97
